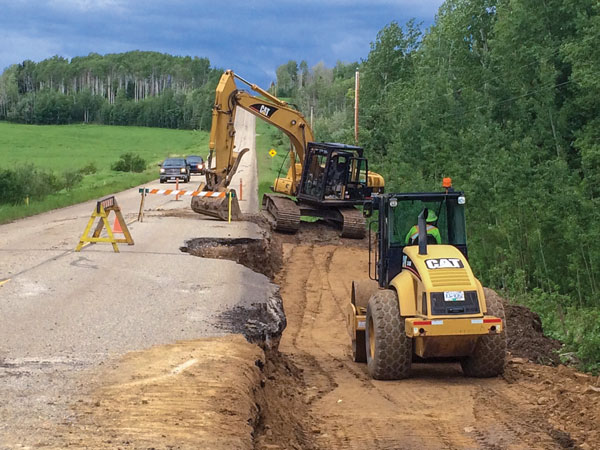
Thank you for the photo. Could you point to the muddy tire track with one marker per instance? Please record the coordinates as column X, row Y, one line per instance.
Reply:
column 437, row 408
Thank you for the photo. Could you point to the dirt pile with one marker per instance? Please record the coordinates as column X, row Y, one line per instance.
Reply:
column 187, row 395
column 525, row 335
column 566, row 399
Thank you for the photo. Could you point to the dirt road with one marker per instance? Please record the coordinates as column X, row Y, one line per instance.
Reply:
column 535, row 407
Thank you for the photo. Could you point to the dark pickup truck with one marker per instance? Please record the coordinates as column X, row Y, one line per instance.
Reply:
column 195, row 163
column 174, row 168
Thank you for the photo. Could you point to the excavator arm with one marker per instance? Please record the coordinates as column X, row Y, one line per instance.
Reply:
column 270, row 109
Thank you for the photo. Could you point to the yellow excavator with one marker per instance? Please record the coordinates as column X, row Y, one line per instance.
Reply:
column 325, row 180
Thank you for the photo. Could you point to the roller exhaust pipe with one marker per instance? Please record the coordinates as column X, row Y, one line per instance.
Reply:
column 422, row 224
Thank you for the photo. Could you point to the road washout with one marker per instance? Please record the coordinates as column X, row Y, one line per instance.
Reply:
column 300, row 389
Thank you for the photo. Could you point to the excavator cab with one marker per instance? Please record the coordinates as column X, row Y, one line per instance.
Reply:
column 336, row 174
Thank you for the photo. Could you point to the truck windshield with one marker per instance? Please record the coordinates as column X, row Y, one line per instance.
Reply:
column 448, row 217
column 174, row 163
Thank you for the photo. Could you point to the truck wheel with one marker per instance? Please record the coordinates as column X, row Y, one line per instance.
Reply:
column 488, row 358
column 359, row 348
column 389, row 350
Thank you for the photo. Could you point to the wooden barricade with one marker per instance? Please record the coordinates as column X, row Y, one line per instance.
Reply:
column 102, row 211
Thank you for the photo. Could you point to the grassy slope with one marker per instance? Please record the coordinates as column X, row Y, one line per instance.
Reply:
column 269, row 168
column 268, row 137
column 58, row 148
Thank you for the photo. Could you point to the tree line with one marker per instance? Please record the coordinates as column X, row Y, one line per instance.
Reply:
column 500, row 95
column 133, row 88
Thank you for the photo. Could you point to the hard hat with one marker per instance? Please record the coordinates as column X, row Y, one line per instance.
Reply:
column 431, row 216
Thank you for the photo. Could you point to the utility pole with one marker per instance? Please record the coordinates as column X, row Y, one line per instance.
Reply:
column 356, row 90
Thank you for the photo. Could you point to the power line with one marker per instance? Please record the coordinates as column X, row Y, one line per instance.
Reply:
column 506, row 100
column 497, row 77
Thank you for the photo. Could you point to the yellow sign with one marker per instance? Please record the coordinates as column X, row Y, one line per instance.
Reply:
column 272, row 152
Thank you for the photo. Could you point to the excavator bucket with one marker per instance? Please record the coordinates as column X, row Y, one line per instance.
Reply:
column 219, row 207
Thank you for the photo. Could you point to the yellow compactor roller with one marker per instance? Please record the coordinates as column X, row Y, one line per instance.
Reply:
column 423, row 301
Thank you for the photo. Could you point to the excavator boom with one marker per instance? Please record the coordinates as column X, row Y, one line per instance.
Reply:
column 272, row 110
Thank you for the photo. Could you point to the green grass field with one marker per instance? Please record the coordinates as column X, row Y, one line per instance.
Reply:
column 71, row 147
column 268, row 137
column 269, row 168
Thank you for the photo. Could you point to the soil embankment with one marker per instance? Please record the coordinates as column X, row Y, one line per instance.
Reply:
column 186, row 395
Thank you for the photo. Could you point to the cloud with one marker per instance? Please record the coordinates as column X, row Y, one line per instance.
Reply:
column 252, row 37
column 85, row 5
column 17, row 47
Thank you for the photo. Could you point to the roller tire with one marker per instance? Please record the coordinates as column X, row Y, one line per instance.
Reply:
column 489, row 357
column 389, row 350
column 359, row 348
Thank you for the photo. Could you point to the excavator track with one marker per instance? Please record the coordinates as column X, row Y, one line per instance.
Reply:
column 354, row 224
column 283, row 212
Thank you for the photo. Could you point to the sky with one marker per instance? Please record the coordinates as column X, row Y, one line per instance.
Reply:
column 251, row 37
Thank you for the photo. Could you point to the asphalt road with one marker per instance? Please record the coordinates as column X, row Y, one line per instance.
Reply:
column 63, row 313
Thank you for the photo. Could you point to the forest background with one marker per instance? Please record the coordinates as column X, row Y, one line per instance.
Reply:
column 500, row 95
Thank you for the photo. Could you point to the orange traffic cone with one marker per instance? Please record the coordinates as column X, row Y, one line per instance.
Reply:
column 117, row 226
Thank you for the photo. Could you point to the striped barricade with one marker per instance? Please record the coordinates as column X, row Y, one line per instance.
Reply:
column 180, row 193
column 183, row 193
